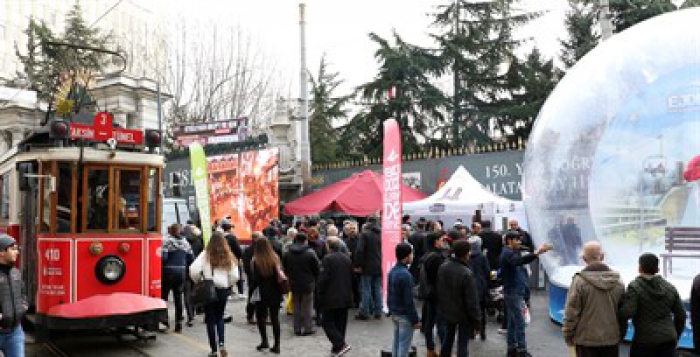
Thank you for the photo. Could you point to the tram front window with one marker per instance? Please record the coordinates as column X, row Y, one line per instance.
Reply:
column 98, row 198
column 129, row 199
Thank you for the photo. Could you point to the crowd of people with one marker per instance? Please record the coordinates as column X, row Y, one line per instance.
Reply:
column 320, row 269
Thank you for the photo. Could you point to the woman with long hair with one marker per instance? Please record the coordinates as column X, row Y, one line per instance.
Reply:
column 217, row 263
column 266, row 292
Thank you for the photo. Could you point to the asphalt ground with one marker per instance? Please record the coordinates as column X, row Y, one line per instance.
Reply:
column 367, row 338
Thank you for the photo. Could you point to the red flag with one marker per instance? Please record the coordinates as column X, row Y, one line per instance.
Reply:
column 391, row 212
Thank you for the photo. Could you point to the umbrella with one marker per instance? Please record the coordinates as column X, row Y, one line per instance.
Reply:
column 357, row 195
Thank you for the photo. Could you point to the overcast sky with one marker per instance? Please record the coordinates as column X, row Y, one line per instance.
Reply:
column 339, row 28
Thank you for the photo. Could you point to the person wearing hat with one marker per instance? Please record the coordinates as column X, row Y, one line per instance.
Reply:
column 13, row 306
column 400, row 300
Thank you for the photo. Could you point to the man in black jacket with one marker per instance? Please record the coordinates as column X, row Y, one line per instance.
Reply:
column 695, row 313
column 335, row 294
column 248, row 268
column 432, row 260
column 350, row 237
column 656, row 310
column 457, row 299
column 12, row 303
column 417, row 240
column 235, row 247
column 302, row 267
column 491, row 244
column 368, row 262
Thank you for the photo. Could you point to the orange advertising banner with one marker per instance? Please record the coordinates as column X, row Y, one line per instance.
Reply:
column 245, row 188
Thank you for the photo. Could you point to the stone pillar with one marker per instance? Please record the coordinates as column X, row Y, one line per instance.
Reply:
column 4, row 144
column 17, row 135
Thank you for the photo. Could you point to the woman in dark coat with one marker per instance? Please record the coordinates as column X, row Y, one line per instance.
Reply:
column 267, row 299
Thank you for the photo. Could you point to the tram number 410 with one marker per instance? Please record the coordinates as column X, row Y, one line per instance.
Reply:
column 53, row 254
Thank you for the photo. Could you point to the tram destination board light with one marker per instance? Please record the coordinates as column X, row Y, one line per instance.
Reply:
column 59, row 130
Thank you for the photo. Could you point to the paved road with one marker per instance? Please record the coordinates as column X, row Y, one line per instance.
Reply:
column 366, row 337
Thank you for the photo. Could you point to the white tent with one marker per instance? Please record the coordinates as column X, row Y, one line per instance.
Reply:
column 460, row 197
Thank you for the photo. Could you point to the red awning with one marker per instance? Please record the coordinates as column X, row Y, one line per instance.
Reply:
column 692, row 172
column 357, row 195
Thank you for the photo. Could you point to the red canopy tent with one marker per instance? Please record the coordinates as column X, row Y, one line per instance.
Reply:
column 357, row 195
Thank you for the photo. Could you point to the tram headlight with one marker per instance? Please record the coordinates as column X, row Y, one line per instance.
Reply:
column 153, row 138
column 110, row 269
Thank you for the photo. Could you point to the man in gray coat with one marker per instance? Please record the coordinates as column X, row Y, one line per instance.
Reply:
column 591, row 321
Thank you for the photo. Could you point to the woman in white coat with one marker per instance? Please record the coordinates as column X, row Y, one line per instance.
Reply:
column 217, row 263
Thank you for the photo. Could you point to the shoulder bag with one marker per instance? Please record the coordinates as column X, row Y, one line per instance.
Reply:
column 204, row 291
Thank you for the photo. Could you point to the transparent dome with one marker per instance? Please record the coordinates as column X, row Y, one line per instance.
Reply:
column 615, row 152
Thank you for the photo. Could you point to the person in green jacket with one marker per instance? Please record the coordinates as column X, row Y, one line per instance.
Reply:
column 656, row 311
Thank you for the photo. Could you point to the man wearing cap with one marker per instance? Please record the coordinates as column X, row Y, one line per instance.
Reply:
column 12, row 303
column 515, row 289
column 400, row 301
column 656, row 311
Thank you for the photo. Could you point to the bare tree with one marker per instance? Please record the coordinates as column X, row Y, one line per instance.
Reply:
column 217, row 72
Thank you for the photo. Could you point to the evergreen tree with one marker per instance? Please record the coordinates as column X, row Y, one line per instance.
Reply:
column 530, row 82
column 404, row 70
column 627, row 13
column 476, row 40
column 325, row 109
column 581, row 20
column 46, row 65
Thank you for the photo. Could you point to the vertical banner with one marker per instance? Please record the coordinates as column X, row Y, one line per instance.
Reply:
column 391, row 197
column 200, row 180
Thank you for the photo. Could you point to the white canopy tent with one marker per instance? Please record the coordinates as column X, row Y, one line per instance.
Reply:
column 460, row 198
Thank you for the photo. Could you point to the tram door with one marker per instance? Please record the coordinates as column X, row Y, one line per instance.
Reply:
column 27, row 206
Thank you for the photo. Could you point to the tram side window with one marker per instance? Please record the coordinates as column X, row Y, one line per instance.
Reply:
column 129, row 200
column 98, row 198
column 5, row 197
column 64, row 204
column 153, row 189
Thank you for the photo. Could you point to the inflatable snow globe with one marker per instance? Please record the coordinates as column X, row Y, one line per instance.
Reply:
column 614, row 156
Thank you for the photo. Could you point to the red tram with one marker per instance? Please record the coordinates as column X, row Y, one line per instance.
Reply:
column 84, row 204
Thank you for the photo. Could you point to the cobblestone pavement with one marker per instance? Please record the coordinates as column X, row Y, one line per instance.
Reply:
column 366, row 337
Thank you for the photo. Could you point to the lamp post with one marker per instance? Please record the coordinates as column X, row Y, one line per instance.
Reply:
column 605, row 23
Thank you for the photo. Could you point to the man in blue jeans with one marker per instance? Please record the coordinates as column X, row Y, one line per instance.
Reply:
column 400, row 301
column 12, row 302
column 515, row 289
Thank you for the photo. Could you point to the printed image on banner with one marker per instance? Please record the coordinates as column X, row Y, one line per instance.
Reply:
column 245, row 187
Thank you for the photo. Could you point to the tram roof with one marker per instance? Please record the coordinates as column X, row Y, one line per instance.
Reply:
column 91, row 155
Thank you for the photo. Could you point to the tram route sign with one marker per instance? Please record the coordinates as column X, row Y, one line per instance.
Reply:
column 102, row 130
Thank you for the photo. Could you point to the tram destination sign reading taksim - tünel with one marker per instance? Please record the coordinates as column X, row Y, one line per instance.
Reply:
column 102, row 130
